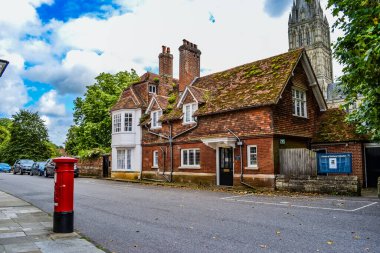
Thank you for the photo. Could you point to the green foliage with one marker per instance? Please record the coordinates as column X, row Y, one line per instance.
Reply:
column 93, row 153
column 92, row 122
column 156, row 80
column 359, row 52
column 28, row 138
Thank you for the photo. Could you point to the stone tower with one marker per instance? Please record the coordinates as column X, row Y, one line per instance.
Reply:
column 308, row 28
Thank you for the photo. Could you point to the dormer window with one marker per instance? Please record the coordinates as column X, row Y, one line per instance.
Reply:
column 152, row 89
column 188, row 111
column 155, row 116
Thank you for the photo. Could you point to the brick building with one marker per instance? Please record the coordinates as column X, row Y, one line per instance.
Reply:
column 225, row 128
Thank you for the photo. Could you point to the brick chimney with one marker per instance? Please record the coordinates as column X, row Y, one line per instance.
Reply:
column 189, row 63
column 165, row 64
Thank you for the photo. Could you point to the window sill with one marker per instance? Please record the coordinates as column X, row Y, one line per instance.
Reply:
column 188, row 123
column 302, row 117
column 190, row 167
column 154, row 167
column 251, row 168
column 155, row 128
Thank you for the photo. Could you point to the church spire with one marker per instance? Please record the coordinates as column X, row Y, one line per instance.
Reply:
column 308, row 27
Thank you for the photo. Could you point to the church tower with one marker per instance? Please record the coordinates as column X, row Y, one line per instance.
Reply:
column 308, row 28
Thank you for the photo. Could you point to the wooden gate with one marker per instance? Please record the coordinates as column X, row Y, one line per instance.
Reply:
column 298, row 162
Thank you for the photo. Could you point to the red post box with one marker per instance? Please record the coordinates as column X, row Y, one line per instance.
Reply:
column 64, row 195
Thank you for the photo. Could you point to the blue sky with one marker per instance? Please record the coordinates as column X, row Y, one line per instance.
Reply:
column 57, row 47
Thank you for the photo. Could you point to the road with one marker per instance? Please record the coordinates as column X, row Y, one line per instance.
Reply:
column 125, row 217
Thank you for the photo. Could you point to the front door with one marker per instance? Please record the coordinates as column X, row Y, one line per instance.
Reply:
column 226, row 173
column 106, row 162
column 372, row 165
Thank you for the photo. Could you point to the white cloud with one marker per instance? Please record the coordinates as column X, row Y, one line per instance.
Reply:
column 13, row 93
column 48, row 105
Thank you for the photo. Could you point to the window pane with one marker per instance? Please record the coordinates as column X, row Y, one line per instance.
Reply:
column 128, row 159
column 185, row 157
column 128, row 122
column 121, row 159
column 197, row 157
column 187, row 113
column 191, row 157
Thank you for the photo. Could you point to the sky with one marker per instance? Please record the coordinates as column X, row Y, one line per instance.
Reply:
column 57, row 47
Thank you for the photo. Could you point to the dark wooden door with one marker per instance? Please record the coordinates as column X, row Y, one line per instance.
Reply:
column 226, row 173
column 372, row 156
column 106, row 162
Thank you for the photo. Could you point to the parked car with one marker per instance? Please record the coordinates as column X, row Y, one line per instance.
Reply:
column 22, row 166
column 50, row 169
column 76, row 170
column 5, row 167
column 38, row 168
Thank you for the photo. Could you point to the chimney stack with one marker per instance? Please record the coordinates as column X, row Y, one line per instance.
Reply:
column 189, row 64
column 165, row 64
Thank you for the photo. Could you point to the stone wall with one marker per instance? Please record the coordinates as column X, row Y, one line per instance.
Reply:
column 320, row 184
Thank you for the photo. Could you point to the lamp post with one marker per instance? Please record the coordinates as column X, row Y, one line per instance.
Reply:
column 3, row 66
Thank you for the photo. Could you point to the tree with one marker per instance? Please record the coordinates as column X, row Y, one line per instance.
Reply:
column 92, row 121
column 28, row 138
column 359, row 52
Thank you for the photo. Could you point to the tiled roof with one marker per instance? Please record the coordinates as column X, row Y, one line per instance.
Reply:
column 127, row 100
column 251, row 85
column 198, row 93
column 333, row 128
column 162, row 101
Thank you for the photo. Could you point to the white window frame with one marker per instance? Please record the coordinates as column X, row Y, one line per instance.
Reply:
column 152, row 89
column 155, row 159
column 117, row 123
column 128, row 122
column 299, row 103
column 249, row 153
column 188, row 111
column 186, row 161
column 124, row 159
column 155, row 116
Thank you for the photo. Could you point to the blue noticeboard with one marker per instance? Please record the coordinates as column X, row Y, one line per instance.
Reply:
column 335, row 163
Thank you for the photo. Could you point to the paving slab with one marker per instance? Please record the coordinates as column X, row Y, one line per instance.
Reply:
column 25, row 228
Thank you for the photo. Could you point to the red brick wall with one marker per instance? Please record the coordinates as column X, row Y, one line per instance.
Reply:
column 357, row 155
column 207, row 158
column 265, row 160
column 249, row 123
column 284, row 121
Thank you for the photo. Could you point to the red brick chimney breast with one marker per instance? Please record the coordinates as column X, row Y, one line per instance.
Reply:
column 165, row 65
column 189, row 63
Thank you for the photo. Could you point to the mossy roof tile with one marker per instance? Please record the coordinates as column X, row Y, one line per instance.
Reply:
column 251, row 85
column 332, row 127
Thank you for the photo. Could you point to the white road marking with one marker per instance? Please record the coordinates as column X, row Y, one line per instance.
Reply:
column 233, row 198
column 373, row 203
column 237, row 196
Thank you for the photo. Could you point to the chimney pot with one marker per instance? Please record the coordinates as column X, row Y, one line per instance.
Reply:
column 163, row 49
column 168, row 50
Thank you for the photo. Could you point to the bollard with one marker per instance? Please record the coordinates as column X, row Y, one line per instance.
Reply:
column 63, row 221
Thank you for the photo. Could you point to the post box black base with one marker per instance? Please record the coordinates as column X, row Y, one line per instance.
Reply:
column 63, row 222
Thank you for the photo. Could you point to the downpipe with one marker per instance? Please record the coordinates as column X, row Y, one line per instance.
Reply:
column 241, row 160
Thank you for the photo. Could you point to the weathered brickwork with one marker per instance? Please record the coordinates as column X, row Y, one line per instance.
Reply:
column 355, row 148
column 283, row 120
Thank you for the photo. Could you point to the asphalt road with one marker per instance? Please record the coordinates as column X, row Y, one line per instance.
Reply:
column 123, row 217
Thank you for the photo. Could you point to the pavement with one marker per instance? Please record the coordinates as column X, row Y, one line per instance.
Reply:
column 25, row 228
